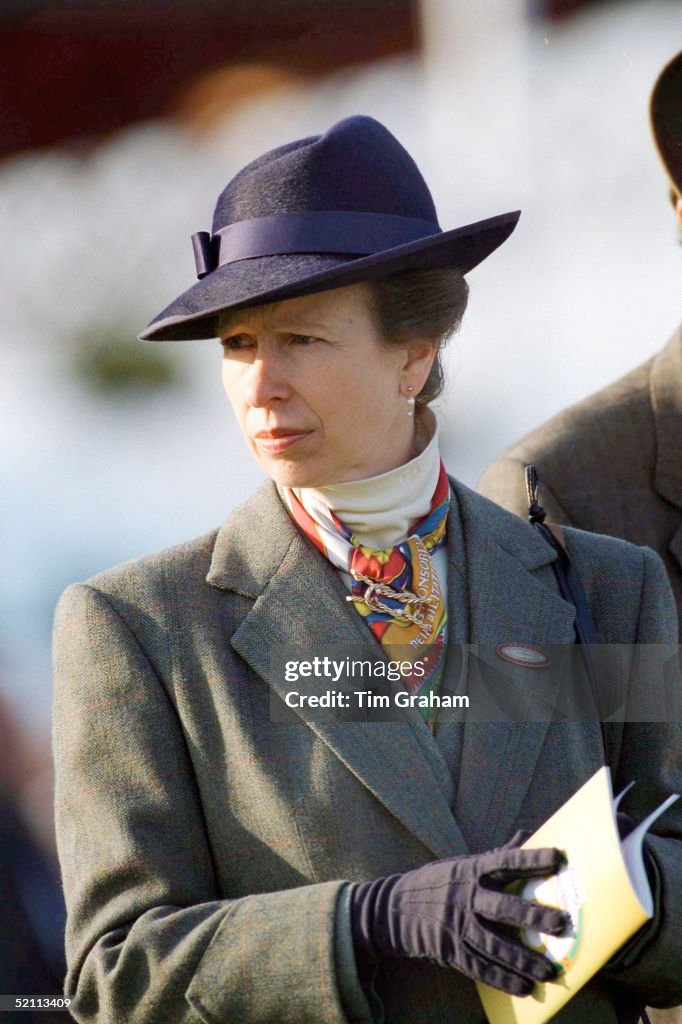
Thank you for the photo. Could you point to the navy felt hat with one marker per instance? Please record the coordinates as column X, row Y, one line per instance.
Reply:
column 666, row 118
column 319, row 213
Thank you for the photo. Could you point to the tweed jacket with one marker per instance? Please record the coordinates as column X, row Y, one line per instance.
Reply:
column 205, row 848
column 612, row 463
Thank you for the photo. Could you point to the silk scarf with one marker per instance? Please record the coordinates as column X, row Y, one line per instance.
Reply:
column 396, row 590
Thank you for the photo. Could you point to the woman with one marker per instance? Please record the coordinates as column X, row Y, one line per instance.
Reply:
column 221, row 865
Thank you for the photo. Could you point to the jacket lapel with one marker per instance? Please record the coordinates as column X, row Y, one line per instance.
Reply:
column 500, row 590
column 666, row 402
column 513, row 600
column 299, row 604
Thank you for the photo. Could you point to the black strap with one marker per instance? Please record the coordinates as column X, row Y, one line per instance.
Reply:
column 571, row 590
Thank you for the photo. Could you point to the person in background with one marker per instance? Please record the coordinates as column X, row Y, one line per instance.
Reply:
column 32, row 913
column 612, row 463
column 220, row 865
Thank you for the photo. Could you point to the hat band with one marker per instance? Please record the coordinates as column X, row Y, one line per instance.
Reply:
column 321, row 231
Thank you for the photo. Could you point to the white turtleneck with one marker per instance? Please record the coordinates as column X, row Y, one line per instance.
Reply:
column 381, row 509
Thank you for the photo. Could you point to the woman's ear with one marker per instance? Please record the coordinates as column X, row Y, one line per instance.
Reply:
column 419, row 357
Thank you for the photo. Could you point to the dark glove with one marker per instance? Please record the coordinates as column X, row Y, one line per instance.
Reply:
column 451, row 911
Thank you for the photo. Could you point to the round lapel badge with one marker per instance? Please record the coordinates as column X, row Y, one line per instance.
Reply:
column 523, row 654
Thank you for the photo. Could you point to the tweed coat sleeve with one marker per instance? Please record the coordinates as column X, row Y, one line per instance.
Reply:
column 649, row 753
column 650, row 966
column 148, row 939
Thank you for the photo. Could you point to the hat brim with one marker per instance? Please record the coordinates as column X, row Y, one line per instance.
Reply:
column 665, row 113
column 262, row 279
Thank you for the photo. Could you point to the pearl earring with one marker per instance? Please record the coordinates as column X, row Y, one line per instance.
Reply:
column 410, row 402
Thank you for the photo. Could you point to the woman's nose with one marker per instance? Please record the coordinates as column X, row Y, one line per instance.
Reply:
column 265, row 381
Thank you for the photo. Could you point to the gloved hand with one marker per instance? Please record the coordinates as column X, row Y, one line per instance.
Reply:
column 454, row 911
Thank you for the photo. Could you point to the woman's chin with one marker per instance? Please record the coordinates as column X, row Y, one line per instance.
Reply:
column 288, row 473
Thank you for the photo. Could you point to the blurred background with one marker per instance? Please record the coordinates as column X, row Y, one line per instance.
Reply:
column 119, row 124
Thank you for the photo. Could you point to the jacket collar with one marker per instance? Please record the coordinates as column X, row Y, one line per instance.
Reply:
column 252, row 544
column 498, row 575
column 666, row 401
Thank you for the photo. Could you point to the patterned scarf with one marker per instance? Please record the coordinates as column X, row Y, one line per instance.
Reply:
column 396, row 590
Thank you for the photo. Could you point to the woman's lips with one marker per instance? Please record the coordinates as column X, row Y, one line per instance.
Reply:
column 276, row 443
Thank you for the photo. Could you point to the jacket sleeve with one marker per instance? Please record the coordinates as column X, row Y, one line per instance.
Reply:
column 650, row 965
column 149, row 940
column 504, row 483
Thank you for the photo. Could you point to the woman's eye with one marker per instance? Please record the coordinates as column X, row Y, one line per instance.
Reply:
column 303, row 339
column 235, row 342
